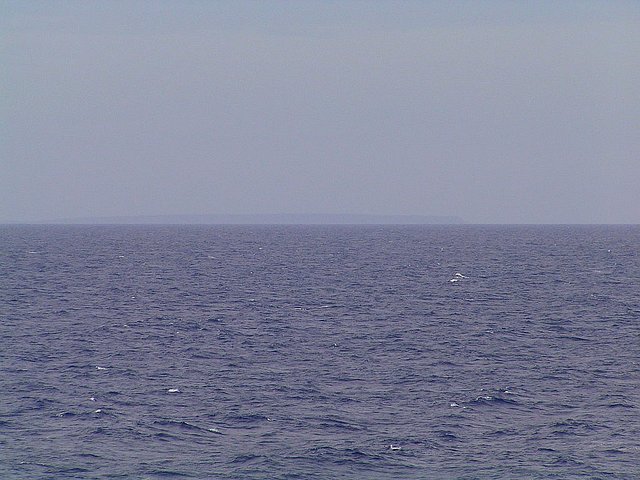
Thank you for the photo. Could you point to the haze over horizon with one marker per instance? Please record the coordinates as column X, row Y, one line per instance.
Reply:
column 491, row 111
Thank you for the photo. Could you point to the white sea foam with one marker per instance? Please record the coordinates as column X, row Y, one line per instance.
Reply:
column 101, row 368
column 395, row 447
column 173, row 390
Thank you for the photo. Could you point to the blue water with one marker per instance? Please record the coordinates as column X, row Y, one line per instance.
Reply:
column 285, row 352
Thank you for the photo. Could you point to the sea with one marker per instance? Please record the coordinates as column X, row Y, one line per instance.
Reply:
column 319, row 352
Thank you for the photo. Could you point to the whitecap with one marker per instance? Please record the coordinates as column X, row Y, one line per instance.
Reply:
column 395, row 447
column 454, row 404
column 173, row 390
column 101, row 368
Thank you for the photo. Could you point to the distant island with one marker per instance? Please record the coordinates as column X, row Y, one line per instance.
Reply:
column 266, row 219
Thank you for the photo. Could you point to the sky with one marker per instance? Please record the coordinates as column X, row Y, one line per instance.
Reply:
column 492, row 111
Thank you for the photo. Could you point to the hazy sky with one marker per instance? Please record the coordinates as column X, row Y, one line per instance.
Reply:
column 494, row 111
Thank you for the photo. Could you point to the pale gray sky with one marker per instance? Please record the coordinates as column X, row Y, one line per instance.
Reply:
column 494, row 111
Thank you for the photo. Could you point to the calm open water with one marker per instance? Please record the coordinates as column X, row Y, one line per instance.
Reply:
column 295, row 352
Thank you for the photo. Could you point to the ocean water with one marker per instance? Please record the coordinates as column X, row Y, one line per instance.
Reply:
column 313, row 352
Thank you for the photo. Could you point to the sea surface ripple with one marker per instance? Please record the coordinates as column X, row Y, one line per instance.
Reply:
column 295, row 352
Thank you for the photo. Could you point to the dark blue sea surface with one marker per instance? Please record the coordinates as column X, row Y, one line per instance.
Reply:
column 320, row 352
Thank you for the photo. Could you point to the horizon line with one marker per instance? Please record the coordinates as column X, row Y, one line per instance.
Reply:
column 252, row 218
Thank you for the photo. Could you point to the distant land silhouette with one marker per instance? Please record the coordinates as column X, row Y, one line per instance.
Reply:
column 266, row 219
